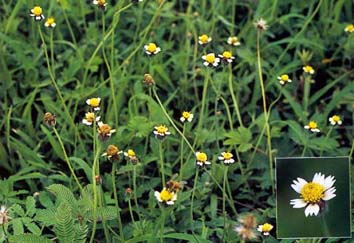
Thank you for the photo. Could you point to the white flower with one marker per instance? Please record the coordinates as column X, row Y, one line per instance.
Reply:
column 334, row 120
column 202, row 159
column 94, row 103
column 314, row 193
column 152, row 49
column 233, row 40
column 226, row 157
column 166, row 196
column 265, row 228
column 89, row 118
column 211, row 60
column 186, row 116
column 312, row 126
column 36, row 12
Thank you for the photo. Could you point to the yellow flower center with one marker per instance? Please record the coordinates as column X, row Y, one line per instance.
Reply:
column 233, row 40
column 204, row 38
column 227, row 155
column 210, row 58
column 336, row 118
column 152, row 47
column 161, row 129
column 227, row 55
column 186, row 114
column 37, row 11
column 267, row 227
column 202, row 157
column 94, row 102
column 284, row 77
column 101, row 2
column 312, row 192
column 50, row 21
column 90, row 116
column 349, row 28
column 165, row 195
column 104, row 129
column 308, row 69
column 131, row 153
column 313, row 125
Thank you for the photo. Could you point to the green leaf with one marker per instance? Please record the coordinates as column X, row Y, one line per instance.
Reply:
column 64, row 226
column 28, row 238
column 30, row 206
column 244, row 147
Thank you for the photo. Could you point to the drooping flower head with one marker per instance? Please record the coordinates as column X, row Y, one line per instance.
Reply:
column 308, row 69
column 102, row 4
column 261, row 24
column 313, row 195
column 112, row 152
column 335, row 120
column 152, row 49
column 211, row 60
column 166, row 196
column 265, row 228
column 94, row 103
column 49, row 119
column 246, row 227
column 226, row 157
column 312, row 126
column 227, row 57
column 90, row 117
column 36, row 13
column 284, row 79
column 349, row 28
column 4, row 215
column 202, row 159
column 186, row 116
column 161, row 132
column 233, row 40
column 204, row 39
column 50, row 23
column 104, row 131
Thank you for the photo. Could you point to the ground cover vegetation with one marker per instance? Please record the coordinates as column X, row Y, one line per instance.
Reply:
column 160, row 121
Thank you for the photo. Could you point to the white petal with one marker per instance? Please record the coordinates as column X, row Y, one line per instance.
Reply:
column 318, row 178
column 297, row 186
column 298, row 203
column 329, row 182
column 306, row 127
column 206, row 63
column 221, row 158
column 157, row 195
column 339, row 122
column 170, row 202
column 312, row 209
column 259, row 228
column 329, row 194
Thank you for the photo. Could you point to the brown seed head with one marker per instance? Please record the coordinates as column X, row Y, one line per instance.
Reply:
column 49, row 119
column 148, row 80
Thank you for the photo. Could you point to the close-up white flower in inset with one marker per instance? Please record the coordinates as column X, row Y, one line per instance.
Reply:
column 313, row 195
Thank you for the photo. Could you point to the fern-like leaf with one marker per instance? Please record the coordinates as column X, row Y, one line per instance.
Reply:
column 64, row 226
column 28, row 238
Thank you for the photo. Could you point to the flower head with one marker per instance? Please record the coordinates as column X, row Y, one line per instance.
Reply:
column 186, row 116
column 152, row 49
column 211, row 60
column 94, row 103
column 308, row 69
column 130, row 154
column 233, row 40
column 283, row 79
column 202, row 159
column 50, row 22
column 36, row 12
column 49, row 119
column 166, row 196
column 265, row 228
column 313, row 195
column 312, row 126
column 227, row 57
column 112, row 152
column 90, row 117
column 4, row 215
column 175, row 186
column 261, row 24
column 204, row 39
column 334, row 120
column 226, row 157
column 349, row 28
column 102, row 4
column 104, row 131
column 148, row 80
column 161, row 131
column 246, row 227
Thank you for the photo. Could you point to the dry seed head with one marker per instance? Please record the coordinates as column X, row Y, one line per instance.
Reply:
column 148, row 80
column 49, row 119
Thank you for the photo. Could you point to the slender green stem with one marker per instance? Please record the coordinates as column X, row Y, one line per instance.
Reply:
column 162, row 167
column 51, row 44
column 304, row 149
column 131, row 211
column 224, row 200
column 101, row 204
column 115, row 195
column 307, row 87
column 182, row 154
column 67, row 159
column 192, row 199
column 233, row 96
column 163, row 219
column 266, row 115
column 170, row 119
column 135, row 188
column 204, row 95
column 326, row 139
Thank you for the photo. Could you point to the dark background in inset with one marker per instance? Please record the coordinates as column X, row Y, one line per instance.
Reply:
column 335, row 220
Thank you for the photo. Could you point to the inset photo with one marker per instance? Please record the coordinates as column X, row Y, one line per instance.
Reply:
column 313, row 197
